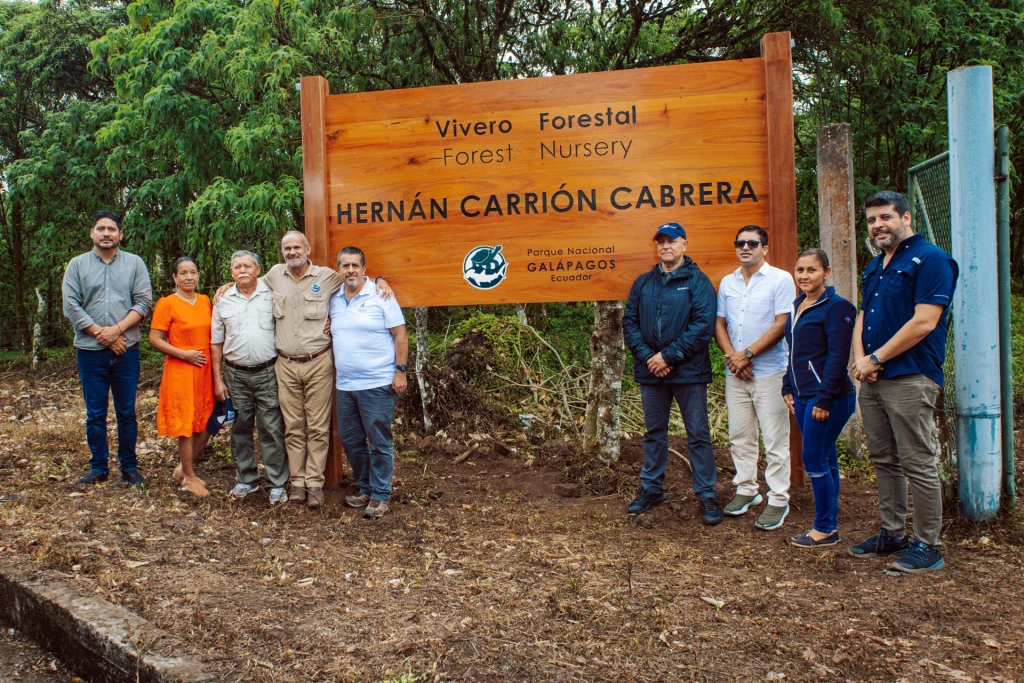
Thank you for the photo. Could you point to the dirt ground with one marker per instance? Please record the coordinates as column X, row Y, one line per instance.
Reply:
column 499, row 568
column 21, row 660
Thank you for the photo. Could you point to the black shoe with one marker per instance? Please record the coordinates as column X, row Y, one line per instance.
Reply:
column 805, row 540
column 882, row 543
column 920, row 558
column 710, row 511
column 132, row 478
column 644, row 501
column 93, row 477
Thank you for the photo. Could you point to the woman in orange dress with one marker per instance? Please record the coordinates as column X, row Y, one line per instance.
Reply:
column 181, row 331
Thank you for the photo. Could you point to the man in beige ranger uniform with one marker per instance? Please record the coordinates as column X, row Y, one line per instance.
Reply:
column 305, row 370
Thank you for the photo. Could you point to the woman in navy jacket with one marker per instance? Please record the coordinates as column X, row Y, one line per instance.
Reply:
column 817, row 387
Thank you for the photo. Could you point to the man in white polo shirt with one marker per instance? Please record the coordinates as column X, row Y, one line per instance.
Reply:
column 753, row 303
column 371, row 348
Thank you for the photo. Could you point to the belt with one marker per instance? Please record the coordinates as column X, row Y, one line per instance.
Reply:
column 308, row 357
column 251, row 368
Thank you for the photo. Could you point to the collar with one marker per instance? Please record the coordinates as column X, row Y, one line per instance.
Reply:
column 261, row 287
column 760, row 271
column 369, row 288
column 309, row 271
column 98, row 258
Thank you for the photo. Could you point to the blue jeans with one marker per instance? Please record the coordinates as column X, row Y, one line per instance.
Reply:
column 104, row 373
column 821, row 461
column 693, row 404
column 364, row 426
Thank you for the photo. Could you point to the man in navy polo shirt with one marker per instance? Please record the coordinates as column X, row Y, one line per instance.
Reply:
column 899, row 344
column 371, row 348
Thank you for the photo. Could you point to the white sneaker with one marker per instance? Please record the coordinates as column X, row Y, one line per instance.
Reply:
column 242, row 490
column 278, row 495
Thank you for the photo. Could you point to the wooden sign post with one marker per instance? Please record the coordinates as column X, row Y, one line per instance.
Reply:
column 551, row 189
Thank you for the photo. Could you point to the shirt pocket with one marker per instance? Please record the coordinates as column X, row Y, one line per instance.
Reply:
column 900, row 281
column 278, row 311
column 760, row 306
column 315, row 306
column 267, row 312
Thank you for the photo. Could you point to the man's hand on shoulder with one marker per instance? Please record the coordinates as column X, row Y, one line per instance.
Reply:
column 220, row 292
column 383, row 288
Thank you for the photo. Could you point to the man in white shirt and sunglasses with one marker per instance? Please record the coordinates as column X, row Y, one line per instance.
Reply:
column 753, row 303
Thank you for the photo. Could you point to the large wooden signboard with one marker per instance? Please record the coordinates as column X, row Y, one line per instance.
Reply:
column 551, row 189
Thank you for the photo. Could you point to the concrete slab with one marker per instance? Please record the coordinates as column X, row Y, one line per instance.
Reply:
column 100, row 641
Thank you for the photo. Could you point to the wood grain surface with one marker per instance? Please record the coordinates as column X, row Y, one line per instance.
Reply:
column 677, row 130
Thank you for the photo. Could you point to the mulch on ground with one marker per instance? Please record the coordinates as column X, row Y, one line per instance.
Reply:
column 512, row 563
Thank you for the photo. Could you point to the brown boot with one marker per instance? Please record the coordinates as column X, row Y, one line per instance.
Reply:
column 297, row 494
column 314, row 497
column 376, row 509
column 359, row 500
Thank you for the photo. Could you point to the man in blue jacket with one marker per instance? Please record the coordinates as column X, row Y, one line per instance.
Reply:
column 668, row 324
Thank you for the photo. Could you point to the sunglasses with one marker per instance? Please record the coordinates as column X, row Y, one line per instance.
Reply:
column 750, row 244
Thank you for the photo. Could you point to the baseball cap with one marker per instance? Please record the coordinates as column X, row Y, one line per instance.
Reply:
column 223, row 415
column 672, row 230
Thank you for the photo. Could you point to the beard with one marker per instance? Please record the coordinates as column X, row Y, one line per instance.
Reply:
column 895, row 237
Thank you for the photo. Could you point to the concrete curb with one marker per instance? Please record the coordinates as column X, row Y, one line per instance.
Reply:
column 97, row 639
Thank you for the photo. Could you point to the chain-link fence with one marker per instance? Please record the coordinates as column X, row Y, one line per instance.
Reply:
column 928, row 193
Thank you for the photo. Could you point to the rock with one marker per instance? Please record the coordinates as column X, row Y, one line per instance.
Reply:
column 568, row 490
column 427, row 444
column 501, row 449
column 452, row 450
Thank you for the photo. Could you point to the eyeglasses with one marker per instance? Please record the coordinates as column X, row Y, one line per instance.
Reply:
column 750, row 244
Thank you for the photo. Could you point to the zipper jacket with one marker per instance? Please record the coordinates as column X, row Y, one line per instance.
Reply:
column 819, row 340
column 673, row 314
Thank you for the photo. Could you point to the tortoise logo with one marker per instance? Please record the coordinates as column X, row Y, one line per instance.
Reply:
column 484, row 267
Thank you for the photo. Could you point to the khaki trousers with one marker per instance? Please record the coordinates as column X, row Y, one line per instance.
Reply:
column 305, row 391
column 899, row 428
column 751, row 404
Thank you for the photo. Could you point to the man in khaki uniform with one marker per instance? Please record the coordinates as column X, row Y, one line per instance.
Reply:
column 305, row 370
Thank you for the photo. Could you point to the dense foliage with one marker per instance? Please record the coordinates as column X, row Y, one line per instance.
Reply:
column 184, row 115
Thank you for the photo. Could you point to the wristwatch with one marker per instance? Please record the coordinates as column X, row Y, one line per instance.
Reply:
column 875, row 359
column 402, row 368
column 379, row 278
column 748, row 354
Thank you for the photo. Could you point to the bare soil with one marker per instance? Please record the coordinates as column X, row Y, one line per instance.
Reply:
column 518, row 563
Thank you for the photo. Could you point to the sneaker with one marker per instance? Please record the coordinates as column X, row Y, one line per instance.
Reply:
column 93, row 477
column 278, row 495
column 375, row 509
column 740, row 504
column 920, row 558
column 710, row 511
column 805, row 540
column 297, row 494
column 882, row 543
column 314, row 497
column 644, row 501
column 772, row 517
column 358, row 501
column 242, row 490
column 132, row 478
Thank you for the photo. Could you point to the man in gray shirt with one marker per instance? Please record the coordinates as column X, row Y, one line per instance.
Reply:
column 106, row 295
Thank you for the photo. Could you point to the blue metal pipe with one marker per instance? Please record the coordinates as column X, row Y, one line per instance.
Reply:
column 975, row 307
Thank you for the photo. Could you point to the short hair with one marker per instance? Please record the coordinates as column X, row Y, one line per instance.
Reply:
column 818, row 254
column 106, row 214
column 761, row 232
column 183, row 259
column 352, row 251
column 305, row 240
column 245, row 252
column 888, row 198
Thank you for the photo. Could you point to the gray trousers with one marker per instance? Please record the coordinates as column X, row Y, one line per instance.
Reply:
column 899, row 429
column 254, row 397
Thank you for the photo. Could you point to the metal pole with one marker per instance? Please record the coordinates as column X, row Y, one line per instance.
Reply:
column 976, row 324
column 1005, row 348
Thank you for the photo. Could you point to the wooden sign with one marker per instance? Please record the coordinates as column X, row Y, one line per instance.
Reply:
column 551, row 189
